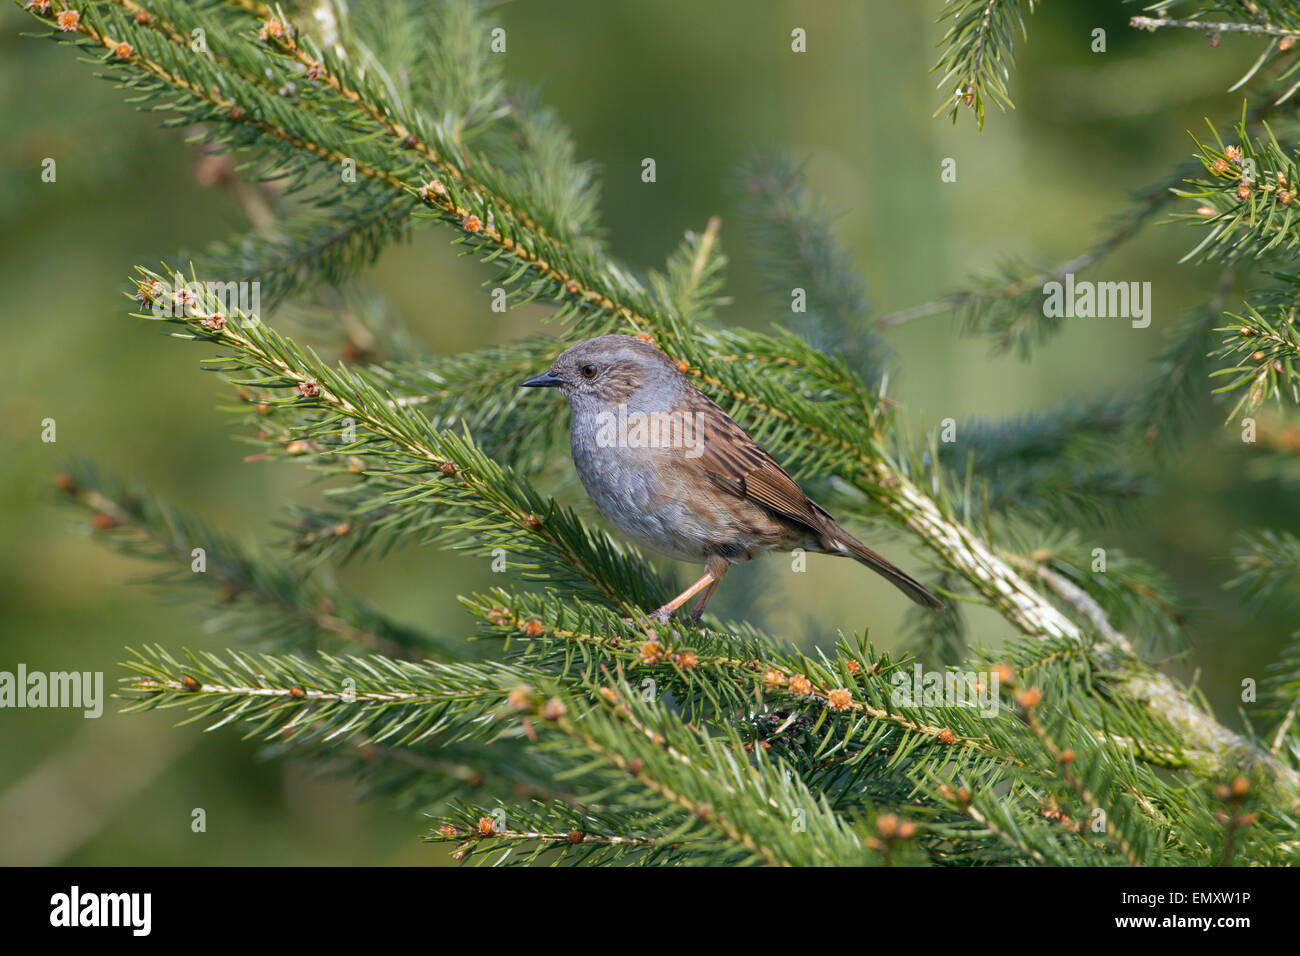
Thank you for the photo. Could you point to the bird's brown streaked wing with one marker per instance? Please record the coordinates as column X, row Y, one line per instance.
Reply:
column 736, row 463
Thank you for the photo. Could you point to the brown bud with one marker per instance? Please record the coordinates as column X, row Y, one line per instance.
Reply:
column 520, row 698
column 685, row 660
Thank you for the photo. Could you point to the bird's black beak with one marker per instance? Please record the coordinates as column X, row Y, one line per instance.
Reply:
column 545, row 380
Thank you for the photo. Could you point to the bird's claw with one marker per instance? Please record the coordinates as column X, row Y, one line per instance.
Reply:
column 663, row 615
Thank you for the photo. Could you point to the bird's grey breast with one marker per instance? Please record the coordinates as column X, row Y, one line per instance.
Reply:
column 624, row 480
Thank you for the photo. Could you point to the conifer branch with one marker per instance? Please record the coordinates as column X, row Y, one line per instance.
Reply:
column 749, row 804
column 700, row 667
column 288, row 608
column 284, row 37
column 581, row 837
column 287, row 698
column 1262, row 360
column 1256, row 29
column 1009, row 308
column 1067, row 760
column 451, row 469
column 977, row 58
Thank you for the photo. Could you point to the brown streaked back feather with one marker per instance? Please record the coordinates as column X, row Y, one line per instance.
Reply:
column 735, row 462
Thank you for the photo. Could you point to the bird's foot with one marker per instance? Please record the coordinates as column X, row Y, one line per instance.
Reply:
column 663, row 615
column 659, row 616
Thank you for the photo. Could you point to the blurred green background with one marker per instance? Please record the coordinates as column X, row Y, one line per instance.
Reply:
column 699, row 87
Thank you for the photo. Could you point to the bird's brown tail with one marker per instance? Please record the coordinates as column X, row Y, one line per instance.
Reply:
column 843, row 542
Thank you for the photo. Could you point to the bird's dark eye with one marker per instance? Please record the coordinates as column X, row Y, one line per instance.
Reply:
column 588, row 371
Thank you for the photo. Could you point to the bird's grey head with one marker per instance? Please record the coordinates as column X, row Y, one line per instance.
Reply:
column 613, row 369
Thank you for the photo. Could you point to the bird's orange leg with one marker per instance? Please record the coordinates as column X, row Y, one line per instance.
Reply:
column 698, row 610
column 664, row 613
column 716, row 568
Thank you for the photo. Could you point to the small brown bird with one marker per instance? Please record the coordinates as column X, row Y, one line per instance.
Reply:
column 674, row 473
